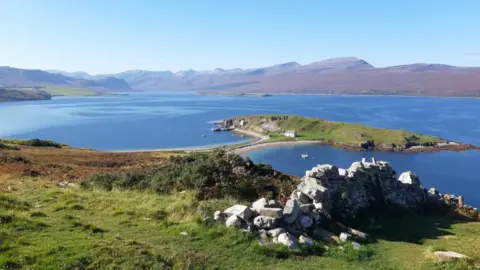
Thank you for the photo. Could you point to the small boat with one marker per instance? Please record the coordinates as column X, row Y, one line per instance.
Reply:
column 304, row 155
column 203, row 135
column 216, row 129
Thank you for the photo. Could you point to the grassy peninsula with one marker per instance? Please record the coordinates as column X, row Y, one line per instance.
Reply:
column 69, row 208
column 347, row 135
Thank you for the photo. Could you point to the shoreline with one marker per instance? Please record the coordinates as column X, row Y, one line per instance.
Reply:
column 260, row 141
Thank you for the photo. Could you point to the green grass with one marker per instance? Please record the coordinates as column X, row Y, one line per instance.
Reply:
column 62, row 90
column 82, row 229
column 68, row 91
column 348, row 133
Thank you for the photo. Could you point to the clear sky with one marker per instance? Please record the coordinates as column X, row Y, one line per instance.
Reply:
column 106, row 36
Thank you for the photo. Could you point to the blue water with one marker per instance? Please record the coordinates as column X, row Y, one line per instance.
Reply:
column 170, row 120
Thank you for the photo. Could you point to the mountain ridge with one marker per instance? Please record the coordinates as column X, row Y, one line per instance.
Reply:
column 341, row 75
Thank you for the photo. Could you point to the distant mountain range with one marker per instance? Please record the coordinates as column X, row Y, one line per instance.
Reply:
column 348, row 75
column 15, row 77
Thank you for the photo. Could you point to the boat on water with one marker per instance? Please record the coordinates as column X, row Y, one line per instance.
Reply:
column 304, row 155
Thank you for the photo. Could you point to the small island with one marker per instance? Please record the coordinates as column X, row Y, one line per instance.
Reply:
column 278, row 129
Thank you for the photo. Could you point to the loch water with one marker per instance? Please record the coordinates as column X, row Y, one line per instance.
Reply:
column 156, row 120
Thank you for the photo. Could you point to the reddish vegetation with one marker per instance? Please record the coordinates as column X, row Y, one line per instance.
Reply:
column 70, row 164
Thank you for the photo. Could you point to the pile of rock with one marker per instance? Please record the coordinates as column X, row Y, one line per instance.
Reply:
column 326, row 195
column 291, row 224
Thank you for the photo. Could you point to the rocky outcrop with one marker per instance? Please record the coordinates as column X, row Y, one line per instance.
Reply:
column 327, row 196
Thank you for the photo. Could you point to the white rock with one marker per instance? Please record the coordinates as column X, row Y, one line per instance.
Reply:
column 260, row 203
column 239, row 210
column 409, row 178
column 264, row 222
column 233, row 221
column 271, row 212
column 318, row 205
column 274, row 204
column 356, row 245
column 305, row 221
column 344, row 237
column 443, row 256
column 275, row 232
column 305, row 240
column 288, row 240
column 291, row 211
column 342, row 172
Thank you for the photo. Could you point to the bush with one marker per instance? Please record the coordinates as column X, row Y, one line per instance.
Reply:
column 32, row 142
column 214, row 175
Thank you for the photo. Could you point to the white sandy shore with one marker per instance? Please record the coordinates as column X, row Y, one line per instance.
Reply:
column 259, row 141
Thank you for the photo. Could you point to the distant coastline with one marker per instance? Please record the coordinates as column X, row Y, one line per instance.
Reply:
column 235, row 94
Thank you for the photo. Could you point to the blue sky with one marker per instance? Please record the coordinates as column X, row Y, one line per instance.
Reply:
column 105, row 36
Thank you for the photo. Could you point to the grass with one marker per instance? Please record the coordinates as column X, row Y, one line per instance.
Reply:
column 68, row 91
column 61, row 90
column 126, row 226
column 347, row 133
column 46, row 229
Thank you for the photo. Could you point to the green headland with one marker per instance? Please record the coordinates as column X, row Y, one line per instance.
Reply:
column 292, row 128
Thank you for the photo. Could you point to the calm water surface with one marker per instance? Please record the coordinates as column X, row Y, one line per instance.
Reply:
column 170, row 120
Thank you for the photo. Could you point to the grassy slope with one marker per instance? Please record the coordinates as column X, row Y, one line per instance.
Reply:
column 44, row 227
column 318, row 129
column 63, row 228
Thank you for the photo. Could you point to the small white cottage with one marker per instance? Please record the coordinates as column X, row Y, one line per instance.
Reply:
column 290, row 133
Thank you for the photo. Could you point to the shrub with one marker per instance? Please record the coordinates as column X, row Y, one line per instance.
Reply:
column 214, row 175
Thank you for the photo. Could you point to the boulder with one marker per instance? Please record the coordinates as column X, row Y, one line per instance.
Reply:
column 264, row 222
column 239, row 210
column 258, row 204
column 445, row 256
column 409, row 178
column 318, row 205
column 306, row 208
column 233, row 221
column 291, row 211
column 344, row 237
column 305, row 221
column 324, row 235
column 275, row 232
column 356, row 245
column 271, row 212
column 288, row 240
column 302, row 198
column 219, row 216
column 316, row 216
column 313, row 191
column 274, row 204
column 305, row 240
column 356, row 234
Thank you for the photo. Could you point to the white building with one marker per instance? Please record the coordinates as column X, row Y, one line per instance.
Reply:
column 290, row 133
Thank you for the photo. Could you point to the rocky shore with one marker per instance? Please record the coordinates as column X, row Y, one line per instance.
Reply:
column 329, row 197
